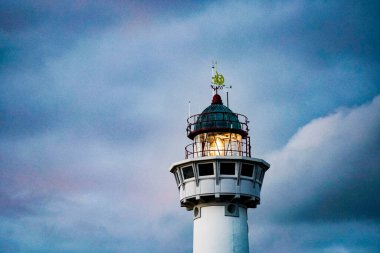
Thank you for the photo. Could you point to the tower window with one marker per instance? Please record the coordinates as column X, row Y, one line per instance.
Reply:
column 259, row 173
column 188, row 172
column 176, row 178
column 231, row 210
column 227, row 168
column 247, row 170
column 179, row 176
column 206, row 169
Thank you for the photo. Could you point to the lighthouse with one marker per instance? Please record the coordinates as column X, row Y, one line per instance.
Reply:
column 219, row 179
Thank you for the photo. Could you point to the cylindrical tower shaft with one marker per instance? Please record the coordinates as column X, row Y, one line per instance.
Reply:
column 220, row 228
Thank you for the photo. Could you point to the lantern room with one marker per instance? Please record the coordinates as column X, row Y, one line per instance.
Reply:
column 218, row 131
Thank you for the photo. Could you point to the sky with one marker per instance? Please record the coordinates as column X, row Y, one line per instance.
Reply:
column 93, row 105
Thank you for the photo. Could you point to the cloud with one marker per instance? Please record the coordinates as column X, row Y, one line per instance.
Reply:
column 328, row 169
column 321, row 192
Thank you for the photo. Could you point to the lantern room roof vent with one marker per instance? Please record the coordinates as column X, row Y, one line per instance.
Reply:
column 216, row 99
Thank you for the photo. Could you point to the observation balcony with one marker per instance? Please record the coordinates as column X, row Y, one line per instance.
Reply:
column 220, row 179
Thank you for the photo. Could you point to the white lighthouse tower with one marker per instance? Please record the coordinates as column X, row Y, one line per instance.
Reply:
column 219, row 180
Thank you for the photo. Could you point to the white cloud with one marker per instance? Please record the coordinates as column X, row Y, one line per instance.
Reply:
column 329, row 169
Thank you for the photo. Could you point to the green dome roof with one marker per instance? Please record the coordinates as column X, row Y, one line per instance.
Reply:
column 216, row 118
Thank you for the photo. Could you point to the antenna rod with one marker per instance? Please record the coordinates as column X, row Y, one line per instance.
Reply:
column 227, row 88
column 189, row 109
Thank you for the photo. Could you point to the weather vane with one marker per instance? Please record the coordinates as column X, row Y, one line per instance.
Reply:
column 217, row 80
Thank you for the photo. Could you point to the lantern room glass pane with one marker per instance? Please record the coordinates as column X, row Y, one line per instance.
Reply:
column 218, row 144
